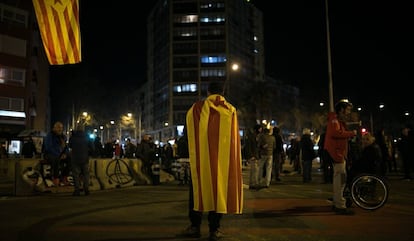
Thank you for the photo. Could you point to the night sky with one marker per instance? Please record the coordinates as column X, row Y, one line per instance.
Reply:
column 370, row 48
column 370, row 43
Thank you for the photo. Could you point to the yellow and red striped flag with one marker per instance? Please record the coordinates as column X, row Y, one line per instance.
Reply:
column 215, row 156
column 60, row 30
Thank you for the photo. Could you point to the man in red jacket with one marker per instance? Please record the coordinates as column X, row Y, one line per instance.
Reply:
column 336, row 144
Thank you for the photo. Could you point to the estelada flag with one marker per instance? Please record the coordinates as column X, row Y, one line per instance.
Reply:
column 58, row 22
column 215, row 156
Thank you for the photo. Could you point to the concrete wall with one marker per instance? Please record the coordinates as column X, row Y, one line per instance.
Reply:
column 32, row 176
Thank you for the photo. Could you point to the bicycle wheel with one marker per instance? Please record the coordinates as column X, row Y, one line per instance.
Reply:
column 369, row 191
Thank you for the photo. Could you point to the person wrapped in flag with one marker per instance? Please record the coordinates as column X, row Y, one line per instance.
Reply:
column 214, row 147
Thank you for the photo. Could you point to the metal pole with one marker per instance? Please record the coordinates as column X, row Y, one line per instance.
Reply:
column 120, row 133
column 139, row 127
column 73, row 116
column 107, row 134
column 328, row 45
column 135, row 130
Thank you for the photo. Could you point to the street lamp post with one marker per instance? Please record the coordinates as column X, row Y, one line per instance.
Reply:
column 139, row 127
column 134, row 123
column 110, row 126
column 328, row 45
column 102, row 130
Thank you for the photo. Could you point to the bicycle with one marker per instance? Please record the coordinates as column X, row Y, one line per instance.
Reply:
column 367, row 191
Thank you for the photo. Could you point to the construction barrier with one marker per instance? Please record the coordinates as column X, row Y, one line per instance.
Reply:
column 33, row 176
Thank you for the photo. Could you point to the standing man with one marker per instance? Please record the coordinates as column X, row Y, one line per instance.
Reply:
column 215, row 162
column 307, row 154
column 130, row 149
column 405, row 149
column 266, row 144
column 146, row 153
column 29, row 148
column 252, row 155
column 79, row 149
column 278, row 154
column 336, row 144
column 56, row 151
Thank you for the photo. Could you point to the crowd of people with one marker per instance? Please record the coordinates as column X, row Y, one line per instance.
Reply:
column 341, row 151
column 215, row 157
column 69, row 156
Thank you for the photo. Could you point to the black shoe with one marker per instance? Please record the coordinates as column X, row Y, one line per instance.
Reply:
column 86, row 192
column 76, row 193
column 343, row 211
column 190, row 232
column 215, row 235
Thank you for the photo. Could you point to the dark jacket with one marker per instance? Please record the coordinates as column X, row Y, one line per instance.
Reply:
column 250, row 148
column 182, row 147
column 79, row 146
column 279, row 142
column 146, row 151
column 29, row 149
column 55, row 145
column 370, row 159
column 306, row 146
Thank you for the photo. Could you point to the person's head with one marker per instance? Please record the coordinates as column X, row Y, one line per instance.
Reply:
column 215, row 87
column 343, row 108
column 258, row 128
column 367, row 139
column 58, row 128
column 146, row 137
column 306, row 131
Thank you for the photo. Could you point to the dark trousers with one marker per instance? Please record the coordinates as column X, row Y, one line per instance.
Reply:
column 307, row 170
column 55, row 165
column 80, row 172
column 196, row 216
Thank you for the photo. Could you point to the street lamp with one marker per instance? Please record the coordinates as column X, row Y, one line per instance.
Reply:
column 109, row 126
column 128, row 121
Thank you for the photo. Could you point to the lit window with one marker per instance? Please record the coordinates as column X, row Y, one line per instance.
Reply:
column 185, row 88
column 212, row 59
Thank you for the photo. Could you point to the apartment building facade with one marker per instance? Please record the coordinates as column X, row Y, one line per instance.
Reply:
column 193, row 42
column 24, row 73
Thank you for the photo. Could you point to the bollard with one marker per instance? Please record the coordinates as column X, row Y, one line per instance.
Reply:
column 176, row 169
column 155, row 173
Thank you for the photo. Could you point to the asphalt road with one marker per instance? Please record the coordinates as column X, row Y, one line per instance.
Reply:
column 287, row 211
